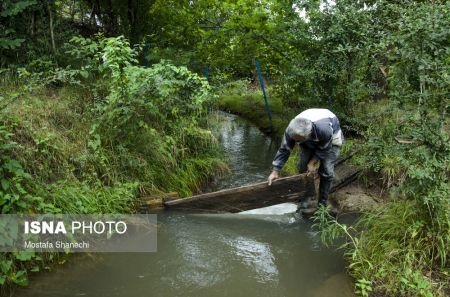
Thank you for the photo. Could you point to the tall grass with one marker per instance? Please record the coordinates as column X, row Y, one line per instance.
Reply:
column 73, row 197
column 393, row 250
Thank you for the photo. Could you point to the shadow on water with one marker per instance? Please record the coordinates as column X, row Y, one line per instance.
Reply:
column 267, row 252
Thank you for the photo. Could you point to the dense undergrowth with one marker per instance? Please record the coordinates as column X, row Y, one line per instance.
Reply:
column 93, row 137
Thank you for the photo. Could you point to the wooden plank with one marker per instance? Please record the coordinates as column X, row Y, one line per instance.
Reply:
column 404, row 141
column 287, row 189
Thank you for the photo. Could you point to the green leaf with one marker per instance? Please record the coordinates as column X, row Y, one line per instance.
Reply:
column 35, row 269
column 84, row 74
column 5, row 184
column 12, row 9
column 5, row 266
column 20, row 278
column 24, row 256
column 2, row 279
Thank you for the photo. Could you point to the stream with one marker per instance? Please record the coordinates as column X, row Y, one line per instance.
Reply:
column 264, row 252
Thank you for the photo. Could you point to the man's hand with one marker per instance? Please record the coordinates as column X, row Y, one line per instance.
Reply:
column 273, row 176
column 311, row 168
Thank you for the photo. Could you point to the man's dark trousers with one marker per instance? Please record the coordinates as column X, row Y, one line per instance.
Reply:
column 327, row 160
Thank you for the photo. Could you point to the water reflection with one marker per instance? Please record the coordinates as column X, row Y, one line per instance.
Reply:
column 258, row 257
column 248, row 150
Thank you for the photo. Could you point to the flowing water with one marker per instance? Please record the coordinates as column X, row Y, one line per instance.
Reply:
column 265, row 252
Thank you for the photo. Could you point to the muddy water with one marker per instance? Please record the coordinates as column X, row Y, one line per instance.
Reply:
column 265, row 252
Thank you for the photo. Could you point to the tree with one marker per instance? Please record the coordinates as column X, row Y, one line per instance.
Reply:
column 10, row 12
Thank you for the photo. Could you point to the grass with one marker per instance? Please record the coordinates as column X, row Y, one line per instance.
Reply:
column 391, row 251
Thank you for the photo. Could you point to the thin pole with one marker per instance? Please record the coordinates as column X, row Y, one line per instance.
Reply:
column 261, row 81
column 207, row 79
column 146, row 55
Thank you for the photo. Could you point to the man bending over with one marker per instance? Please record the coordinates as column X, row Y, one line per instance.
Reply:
column 319, row 135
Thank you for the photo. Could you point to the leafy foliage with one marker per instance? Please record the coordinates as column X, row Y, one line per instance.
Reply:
column 9, row 10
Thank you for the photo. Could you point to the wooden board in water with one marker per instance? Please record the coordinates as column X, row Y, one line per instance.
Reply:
column 286, row 189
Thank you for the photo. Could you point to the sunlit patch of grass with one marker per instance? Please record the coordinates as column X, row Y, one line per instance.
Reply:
column 193, row 174
column 75, row 197
column 250, row 105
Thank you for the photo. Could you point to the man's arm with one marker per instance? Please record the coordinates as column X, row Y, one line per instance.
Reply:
column 287, row 144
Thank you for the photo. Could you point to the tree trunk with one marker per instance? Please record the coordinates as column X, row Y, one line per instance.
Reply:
column 52, row 35
column 93, row 21
column 131, row 22
column 32, row 24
